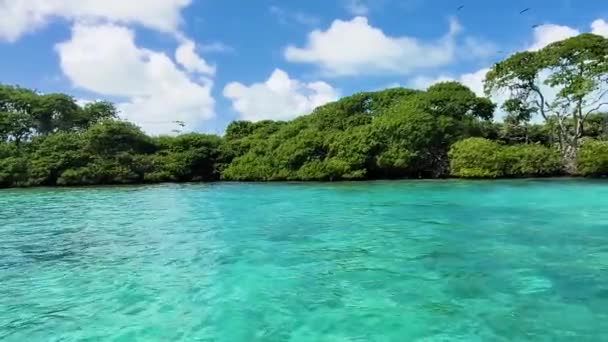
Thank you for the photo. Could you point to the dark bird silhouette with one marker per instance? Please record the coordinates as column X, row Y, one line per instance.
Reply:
column 460, row 7
column 524, row 11
column 535, row 25
column 179, row 123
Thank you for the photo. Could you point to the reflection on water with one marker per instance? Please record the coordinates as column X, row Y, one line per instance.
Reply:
column 378, row 261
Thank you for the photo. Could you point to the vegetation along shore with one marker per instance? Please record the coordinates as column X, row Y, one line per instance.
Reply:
column 445, row 131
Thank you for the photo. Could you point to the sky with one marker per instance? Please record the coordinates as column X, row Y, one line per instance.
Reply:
column 209, row 62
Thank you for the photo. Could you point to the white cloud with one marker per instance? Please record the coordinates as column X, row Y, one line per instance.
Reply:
column 546, row 34
column 600, row 26
column 550, row 33
column 190, row 60
column 357, row 7
column 22, row 16
column 355, row 47
column 279, row 97
column 104, row 59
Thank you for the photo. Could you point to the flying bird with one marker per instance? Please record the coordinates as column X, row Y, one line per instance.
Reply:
column 524, row 11
column 460, row 7
column 535, row 25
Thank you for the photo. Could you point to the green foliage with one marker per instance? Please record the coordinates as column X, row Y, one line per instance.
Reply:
column 483, row 158
column 455, row 99
column 531, row 160
column 593, row 158
column 188, row 157
column 477, row 158
column 13, row 166
column 387, row 134
column 53, row 154
column 111, row 137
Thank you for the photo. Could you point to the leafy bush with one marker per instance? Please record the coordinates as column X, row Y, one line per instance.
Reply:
column 531, row 160
column 483, row 158
column 477, row 158
column 593, row 158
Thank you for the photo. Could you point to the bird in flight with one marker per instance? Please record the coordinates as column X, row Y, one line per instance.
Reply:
column 460, row 7
column 535, row 25
column 524, row 11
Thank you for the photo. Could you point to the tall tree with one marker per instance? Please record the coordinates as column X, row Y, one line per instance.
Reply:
column 576, row 68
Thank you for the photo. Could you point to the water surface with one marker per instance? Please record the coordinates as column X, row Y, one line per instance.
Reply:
column 380, row 261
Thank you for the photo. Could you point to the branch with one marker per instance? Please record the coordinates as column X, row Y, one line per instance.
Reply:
column 599, row 98
column 542, row 100
column 595, row 108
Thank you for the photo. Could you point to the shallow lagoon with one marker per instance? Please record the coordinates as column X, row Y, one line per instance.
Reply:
column 522, row 260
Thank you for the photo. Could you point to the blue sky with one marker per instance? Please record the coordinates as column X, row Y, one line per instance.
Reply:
column 208, row 62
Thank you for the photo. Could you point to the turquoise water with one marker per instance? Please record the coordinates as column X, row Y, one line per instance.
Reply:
column 380, row 261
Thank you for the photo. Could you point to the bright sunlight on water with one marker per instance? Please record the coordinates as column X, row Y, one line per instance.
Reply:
column 380, row 261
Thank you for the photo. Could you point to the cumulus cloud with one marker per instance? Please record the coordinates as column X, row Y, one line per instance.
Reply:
column 600, row 27
column 546, row 34
column 279, row 97
column 104, row 59
column 190, row 60
column 550, row 33
column 356, row 47
column 22, row 16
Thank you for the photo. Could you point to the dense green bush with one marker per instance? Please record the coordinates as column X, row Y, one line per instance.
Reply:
column 477, row 158
column 531, row 160
column 593, row 158
column 13, row 166
column 483, row 158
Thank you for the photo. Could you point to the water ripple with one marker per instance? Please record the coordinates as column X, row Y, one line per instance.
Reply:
column 378, row 261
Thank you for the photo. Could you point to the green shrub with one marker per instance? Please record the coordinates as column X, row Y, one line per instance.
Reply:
column 531, row 160
column 477, row 158
column 593, row 158
column 482, row 158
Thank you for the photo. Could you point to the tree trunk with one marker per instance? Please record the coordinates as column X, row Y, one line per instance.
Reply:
column 569, row 151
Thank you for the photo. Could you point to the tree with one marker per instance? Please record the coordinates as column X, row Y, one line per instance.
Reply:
column 16, row 121
column 577, row 68
column 54, row 112
column 95, row 112
column 110, row 137
column 15, row 126
column 457, row 100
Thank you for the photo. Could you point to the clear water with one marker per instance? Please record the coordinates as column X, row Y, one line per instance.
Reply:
column 381, row 261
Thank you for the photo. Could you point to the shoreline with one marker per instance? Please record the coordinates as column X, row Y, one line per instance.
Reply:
column 320, row 182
